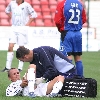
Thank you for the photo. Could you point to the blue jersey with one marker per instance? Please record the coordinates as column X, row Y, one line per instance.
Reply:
column 50, row 62
column 73, row 15
column 70, row 15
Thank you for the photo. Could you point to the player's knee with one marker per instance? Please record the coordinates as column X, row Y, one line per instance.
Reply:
column 32, row 66
column 10, row 48
column 60, row 78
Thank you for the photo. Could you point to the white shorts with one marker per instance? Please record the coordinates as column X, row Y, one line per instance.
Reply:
column 19, row 35
column 41, row 89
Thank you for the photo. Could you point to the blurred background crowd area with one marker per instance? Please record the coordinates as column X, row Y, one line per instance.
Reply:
column 44, row 8
column 46, row 11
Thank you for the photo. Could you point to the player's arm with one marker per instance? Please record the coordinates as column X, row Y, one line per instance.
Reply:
column 84, row 16
column 32, row 14
column 30, row 21
column 8, row 10
column 9, row 14
column 59, row 17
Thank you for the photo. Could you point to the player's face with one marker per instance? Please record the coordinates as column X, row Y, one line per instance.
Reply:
column 14, row 75
column 18, row 1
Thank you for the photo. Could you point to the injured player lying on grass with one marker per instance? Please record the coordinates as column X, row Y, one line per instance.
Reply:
column 30, row 86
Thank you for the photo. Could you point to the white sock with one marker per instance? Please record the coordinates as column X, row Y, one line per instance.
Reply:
column 10, row 56
column 31, row 79
column 20, row 66
column 57, row 87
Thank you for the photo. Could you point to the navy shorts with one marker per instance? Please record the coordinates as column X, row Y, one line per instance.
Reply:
column 70, row 74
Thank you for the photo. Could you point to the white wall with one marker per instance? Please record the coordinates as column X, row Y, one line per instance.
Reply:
column 47, row 36
column 94, row 17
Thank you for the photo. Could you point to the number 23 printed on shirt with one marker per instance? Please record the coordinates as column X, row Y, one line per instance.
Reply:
column 76, row 15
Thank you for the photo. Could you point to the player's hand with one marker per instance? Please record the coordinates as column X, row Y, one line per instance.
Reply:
column 27, row 25
column 25, row 76
column 40, row 80
column 24, row 83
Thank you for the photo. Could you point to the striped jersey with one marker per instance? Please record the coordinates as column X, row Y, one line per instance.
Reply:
column 20, row 13
column 70, row 15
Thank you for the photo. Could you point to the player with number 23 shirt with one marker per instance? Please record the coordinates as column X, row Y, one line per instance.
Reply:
column 69, row 18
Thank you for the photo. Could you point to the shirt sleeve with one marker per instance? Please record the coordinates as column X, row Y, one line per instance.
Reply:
column 14, row 89
column 84, row 16
column 8, row 8
column 59, row 16
column 31, row 11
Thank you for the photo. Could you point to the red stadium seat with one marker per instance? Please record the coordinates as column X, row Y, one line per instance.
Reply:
column 39, row 22
column 37, row 8
column 52, row 15
column 54, row 2
column 29, row 1
column 3, row 15
column 4, row 22
column 32, row 24
column 2, row 2
column 48, row 22
column 43, row 2
column 52, row 8
column 59, row 0
column 2, row 8
column 7, row 2
column 46, row 15
column 45, row 8
column 53, row 23
column 35, row 2
column 39, row 15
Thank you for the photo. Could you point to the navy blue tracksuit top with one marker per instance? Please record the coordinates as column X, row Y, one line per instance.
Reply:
column 50, row 62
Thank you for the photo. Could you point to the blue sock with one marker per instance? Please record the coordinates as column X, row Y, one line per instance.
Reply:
column 79, row 68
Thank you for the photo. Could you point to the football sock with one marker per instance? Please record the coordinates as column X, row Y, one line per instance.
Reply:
column 79, row 68
column 57, row 87
column 10, row 56
column 31, row 79
column 20, row 66
column 25, row 91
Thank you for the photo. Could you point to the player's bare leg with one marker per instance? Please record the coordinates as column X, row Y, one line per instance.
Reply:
column 55, row 86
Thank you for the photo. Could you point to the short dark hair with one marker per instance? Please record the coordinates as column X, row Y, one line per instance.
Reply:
column 9, row 71
column 21, row 52
column 22, row 1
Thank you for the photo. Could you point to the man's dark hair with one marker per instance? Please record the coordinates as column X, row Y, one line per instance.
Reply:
column 21, row 52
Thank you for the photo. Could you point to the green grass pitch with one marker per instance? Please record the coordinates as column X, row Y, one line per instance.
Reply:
column 91, row 62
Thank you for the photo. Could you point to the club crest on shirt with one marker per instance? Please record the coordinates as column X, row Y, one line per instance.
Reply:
column 22, row 8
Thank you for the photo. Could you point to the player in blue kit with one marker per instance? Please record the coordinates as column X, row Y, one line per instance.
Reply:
column 70, row 15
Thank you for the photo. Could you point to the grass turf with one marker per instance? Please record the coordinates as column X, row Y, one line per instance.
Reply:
column 91, row 62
